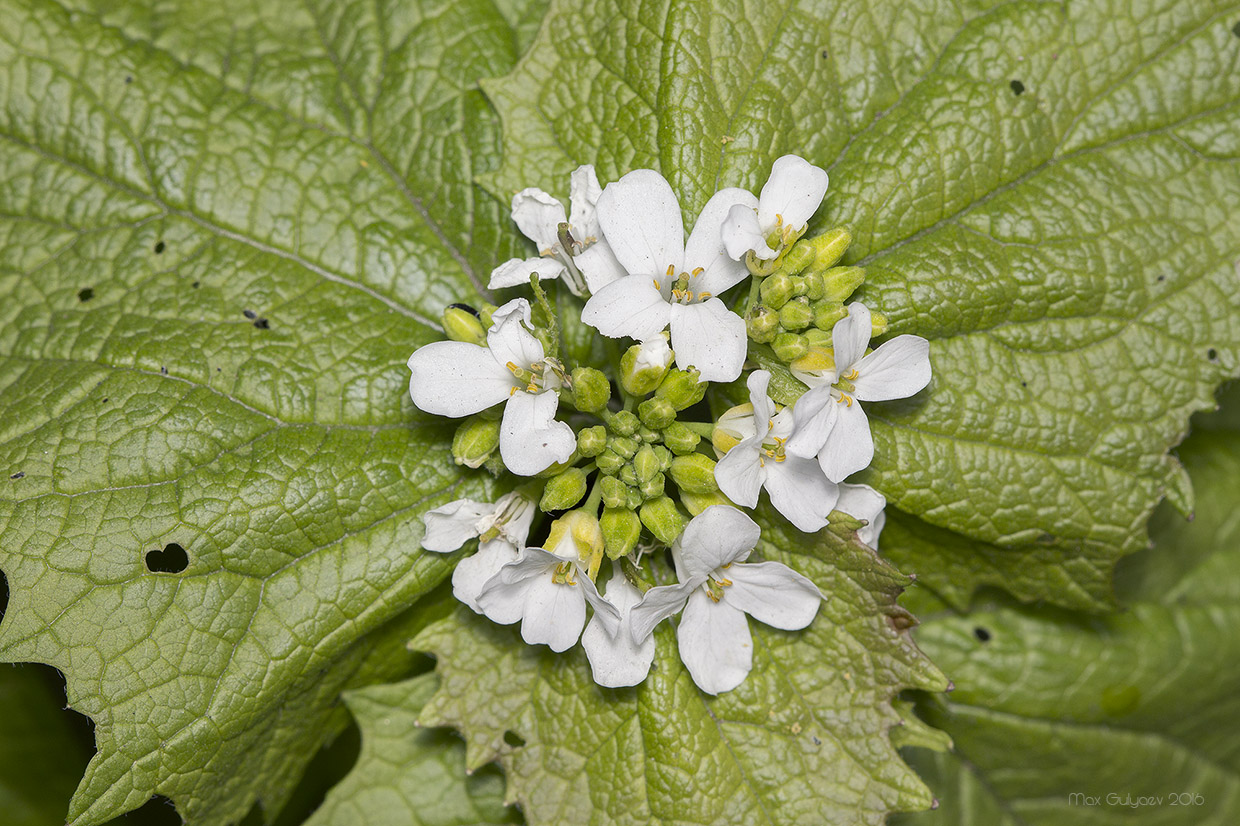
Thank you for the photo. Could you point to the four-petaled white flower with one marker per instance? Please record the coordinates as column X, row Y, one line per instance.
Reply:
column 574, row 250
column 671, row 283
column 796, row 485
column 789, row 199
column 455, row 378
column 829, row 423
column 863, row 502
column 717, row 589
column 502, row 528
column 616, row 658
column 547, row 591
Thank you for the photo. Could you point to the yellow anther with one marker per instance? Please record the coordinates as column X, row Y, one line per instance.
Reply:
column 704, row 296
column 851, row 375
column 725, row 582
column 512, row 391
column 657, row 285
column 779, row 457
column 844, row 399
column 698, row 271
column 513, row 367
column 671, row 270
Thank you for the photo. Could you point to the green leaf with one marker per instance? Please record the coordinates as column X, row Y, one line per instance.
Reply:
column 407, row 775
column 1140, row 704
column 804, row 739
column 223, row 228
column 1049, row 193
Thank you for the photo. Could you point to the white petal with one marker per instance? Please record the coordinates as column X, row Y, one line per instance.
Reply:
column 502, row 598
column 452, row 525
column 598, row 265
column 583, row 194
column 553, row 615
column 640, row 216
column 510, row 339
column 740, row 472
column 454, row 378
column 530, row 439
column 514, row 515
column 705, row 247
column 619, row 660
column 850, row 447
column 604, row 611
column 657, row 604
column 515, row 272
column 538, row 216
column 715, row 537
column 710, row 337
column 742, row 234
column 474, row 572
column 715, row 644
column 774, row 594
column 763, row 407
column 801, row 492
column 850, row 336
column 896, row 370
column 655, row 354
column 813, row 419
column 631, row 307
column 863, row 502
column 794, row 191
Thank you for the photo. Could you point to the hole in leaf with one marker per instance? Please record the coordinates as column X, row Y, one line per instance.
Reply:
column 171, row 560
column 513, row 739
column 1212, row 354
column 982, row 634
column 4, row 594
column 262, row 323
column 1018, row 88
column 159, row 247
column 86, row 294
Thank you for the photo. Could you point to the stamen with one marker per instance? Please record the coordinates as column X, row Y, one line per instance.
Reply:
column 513, row 367
column 671, row 270
column 704, row 296
column 698, row 271
column 842, row 399
column 852, row 374
column 657, row 286
column 512, row 391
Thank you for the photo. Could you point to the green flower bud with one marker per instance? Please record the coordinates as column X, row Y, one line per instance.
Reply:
column 592, row 440
column 813, row 286
column 614, row 492
column 625, row 423
column 587, row 535
column 591, row 390
column 621, row 530
column 646, row 463
column 635, row 498
column 461, row 323
column 796, row 259
column 563, row 490
column 610, row 462
column 698, row 502
column 839, row 283
column 643, row 366
column 817, row 338
column 623, row 446
column 663, row 519
column 558, row 467
column 878, row 324
column 827, row 312
column 652, row 487
column 790, row 346
column 762, row 324
column 656, row 413
column 474, row 441
column 649, row 436
column 681, row 388
column 664, row 456
column 776, row 290
column 628, row 475
column 829, row 247
column 680, row 439
column 694, row 473
column 796, row 315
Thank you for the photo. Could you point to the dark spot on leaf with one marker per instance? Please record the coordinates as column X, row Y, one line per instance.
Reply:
column 466, row 308
column 171, row 560
column 262, row 323
column 1018, row 88
column 163, row 370
column 982, row 634
column 105, row 399
column 1162, row 278
column 86, row 294
column 194, row 285
column 1024, row 384
column 825, row 54
column 4, row 595
column 1045, row 538
column 513, row 739
column 159, row 247
column 817, row 742
column 1212, row 354
column 249, row 314
column 129, row 78
column 20, row 474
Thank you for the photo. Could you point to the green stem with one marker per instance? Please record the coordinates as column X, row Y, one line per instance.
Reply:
column 595, row 497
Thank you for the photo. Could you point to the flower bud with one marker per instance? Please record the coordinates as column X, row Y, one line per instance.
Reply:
column 652, row 487
column 628, row 475
column 592, row 440
column 643, row 366
column 461, row 323
column 827, row 312
column 624, row 423
column 656, row 413
column 817, row 338
column 680, row 439
column 474, row 441
column 796, row 259
column 694, row 473
column 647, row 435
column 796, row 315
column 776, row 290
column 614, row 492
column 878, row 324
column 813, row 286
column 610, row 462
column 587, row 536
column 790, row 346
column 839, row 283
column 698, row 502
column 663, row 519
column 621, row 530
column 681, row 388
column 829, row 247
column 635, row 498
column 563, row 490
column 762, row 324
column 623, row 446
column 664, row 456
column 591, row 390
column 646, row 463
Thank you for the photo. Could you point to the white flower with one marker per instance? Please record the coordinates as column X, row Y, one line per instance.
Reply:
column 586, row 263
column 547, row 591
column 789, row 199
column 797, row 486
column 671, row 282
column 454, row 378
column 502, row 526
column 717, row 589
column 829, row 423
column 863, row 502
column 616, row 658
